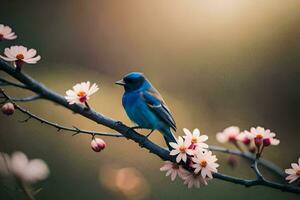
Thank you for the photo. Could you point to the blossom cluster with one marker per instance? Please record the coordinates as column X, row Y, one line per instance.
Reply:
column 195, row 164
column 18, row 165
column 17, row 54
column 255, row 140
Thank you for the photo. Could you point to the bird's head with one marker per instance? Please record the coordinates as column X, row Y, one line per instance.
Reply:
column 133, row 81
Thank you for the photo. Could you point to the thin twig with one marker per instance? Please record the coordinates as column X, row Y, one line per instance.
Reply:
column 4, row 82
column 5, row 161
column 254, row 166
column 26, row 189
column 25, row 99
column 249, row 156
column 55, row 125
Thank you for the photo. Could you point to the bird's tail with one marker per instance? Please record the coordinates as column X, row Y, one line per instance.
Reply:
column 168, row 136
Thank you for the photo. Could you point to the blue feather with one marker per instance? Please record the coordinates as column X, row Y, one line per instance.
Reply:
column 145, row 106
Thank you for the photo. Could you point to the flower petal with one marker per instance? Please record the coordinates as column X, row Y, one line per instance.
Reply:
column 7, row 59
column 178, row 158
column 196, row 132
column 173, row 144
column 187, row 132
column 290, row 171
column 295, row 166
column 184, row 157
column 30, row 53
column 173, row 175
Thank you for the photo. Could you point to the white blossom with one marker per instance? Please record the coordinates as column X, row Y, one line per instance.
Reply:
column 263, row 136
column 195, row 138
column 205, row 163
column 181, row 149
column 29, row 171
column 81, row 93
column 20, row 54
column 294, row 172
column 173, row 169
column 228, row 135
column 196, row 180
column 6, row 33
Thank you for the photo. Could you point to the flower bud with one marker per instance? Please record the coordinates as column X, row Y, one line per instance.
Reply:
column 232, row 138
column 246, row 141
column 192, row 146
column 98, row 144
column 8, row 109
column 267, row 142
column 258, row 141
column 232, row 161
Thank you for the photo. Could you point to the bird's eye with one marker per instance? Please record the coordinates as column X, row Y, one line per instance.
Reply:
column 128, row 80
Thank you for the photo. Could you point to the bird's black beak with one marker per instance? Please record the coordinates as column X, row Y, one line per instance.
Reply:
column 120, row 82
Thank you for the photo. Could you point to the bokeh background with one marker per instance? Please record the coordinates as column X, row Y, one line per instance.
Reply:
column 217, row 63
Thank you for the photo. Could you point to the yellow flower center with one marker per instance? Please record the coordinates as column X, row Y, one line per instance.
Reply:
column 81, row 94
column 182, row 149
column 194, row 140
column 298, row 172
column 259, row 136
column 203, row 163
column 20, row 56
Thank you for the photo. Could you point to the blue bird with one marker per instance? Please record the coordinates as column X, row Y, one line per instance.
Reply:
column 145, row 106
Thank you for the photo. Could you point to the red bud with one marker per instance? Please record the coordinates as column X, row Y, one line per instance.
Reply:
column 232, row 161
column 8, row 109
column 246, row 141
column 98, row 144
column 267, row 142
column 258, row 141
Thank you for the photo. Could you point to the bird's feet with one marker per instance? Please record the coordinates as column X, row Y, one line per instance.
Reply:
column 145, row 138
column 138, row 127
column 149, row 133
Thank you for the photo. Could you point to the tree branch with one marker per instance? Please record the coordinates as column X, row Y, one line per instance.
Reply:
column 118, row 126
column 75, row 130
column 254, row 166
column 4, row 82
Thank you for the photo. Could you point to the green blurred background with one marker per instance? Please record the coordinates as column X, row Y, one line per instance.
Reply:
column 217, row 63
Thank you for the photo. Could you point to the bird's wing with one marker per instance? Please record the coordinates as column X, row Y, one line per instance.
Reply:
column 158, row 106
